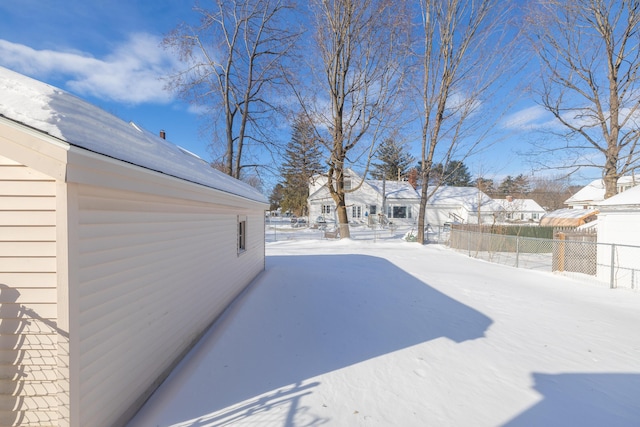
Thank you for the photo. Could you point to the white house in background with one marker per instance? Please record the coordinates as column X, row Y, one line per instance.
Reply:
column 619, row 224
column 592, row 194
column 461, row 204
column 520, row 210
column 364, row 205
column 401, row 201
column 117, row 251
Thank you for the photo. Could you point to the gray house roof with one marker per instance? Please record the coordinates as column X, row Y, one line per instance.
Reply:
column 78, row 123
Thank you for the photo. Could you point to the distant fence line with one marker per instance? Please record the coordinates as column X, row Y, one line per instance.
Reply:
column 569, row 252
column 572, row 254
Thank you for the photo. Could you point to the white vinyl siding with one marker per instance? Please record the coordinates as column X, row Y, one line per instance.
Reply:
column 621, row 228
column 153, row 273
column 28, row 312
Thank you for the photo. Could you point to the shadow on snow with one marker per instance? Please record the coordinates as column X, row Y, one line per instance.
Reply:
column 305, row 316
column 585, row 399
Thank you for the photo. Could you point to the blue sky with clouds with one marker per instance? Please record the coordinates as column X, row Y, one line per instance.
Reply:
column 108, row 52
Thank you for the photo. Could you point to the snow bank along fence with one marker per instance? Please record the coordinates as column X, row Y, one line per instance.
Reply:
column 569, row 252
column 282, row 228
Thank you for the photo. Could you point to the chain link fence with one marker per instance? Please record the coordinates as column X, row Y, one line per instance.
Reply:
column 283, row 228
column 571, row 254
column 605, row 264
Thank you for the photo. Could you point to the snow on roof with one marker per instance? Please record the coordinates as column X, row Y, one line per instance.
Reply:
column 395, row 189
column 81, row 124
column 570, row 213
column 627, row 197
column 567, row 216
column 594, row 191
column 469, row 197
column 519, row 205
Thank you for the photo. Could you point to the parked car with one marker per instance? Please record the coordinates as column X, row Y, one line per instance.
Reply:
column 299, row 222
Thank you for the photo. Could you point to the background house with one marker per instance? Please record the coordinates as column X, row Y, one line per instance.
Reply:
column 520, row 210
column 592, row 194
column 466, row 205
column 117, row 251
column 402, row 202
column 619, row 226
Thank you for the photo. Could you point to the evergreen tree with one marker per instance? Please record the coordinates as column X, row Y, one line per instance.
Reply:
column 456, row 174
column 275, row 199
column 436, row 176
column 302, row 160
column 485, row 185
column 517, row 187
column 395, row 161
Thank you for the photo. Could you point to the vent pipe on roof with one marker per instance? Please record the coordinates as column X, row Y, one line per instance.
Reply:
column 163, row 134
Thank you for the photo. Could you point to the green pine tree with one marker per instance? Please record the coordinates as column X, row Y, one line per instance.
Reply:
column 395, row 161
column 457, row 174
column 302, row 160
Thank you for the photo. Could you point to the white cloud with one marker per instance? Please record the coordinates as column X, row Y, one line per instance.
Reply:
column 530, row 118
column 130, row 74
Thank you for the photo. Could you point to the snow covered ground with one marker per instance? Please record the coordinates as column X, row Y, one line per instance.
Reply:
column 390, row 333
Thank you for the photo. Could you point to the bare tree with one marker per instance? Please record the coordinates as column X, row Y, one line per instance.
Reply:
column 360, row 45
column 550, row 192
column 466, row 47
column 233, row 63
column 588, row 50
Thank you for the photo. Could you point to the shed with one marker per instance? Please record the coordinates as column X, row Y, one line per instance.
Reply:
column 118, row 250
column 568, row 217
column 619, row 236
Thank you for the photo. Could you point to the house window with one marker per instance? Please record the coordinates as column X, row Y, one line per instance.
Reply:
column 534, row 215
column 373, row 209
column 242, row 234
column 347, row 184
column 326, row 209
column 356, row 212
column 398, row 212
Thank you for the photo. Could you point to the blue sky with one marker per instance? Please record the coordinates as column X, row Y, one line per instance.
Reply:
column 108, row 52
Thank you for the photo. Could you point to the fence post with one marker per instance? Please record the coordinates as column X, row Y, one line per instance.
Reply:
column 613, row 260
column 561, row 253
column 469, row 242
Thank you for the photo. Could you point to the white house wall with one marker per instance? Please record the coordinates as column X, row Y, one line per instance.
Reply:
column 152, row 273
column 28, row 310
column 623, row 229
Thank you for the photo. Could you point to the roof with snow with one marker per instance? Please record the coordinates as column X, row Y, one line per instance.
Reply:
column 469, row 197
column 395, row 189
column 81, row 124
column 568, row 217
column 626, row 198
column 519, row 205
column 594, row 191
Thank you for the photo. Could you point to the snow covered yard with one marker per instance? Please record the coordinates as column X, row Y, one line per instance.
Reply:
column 389, row 333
